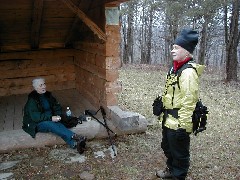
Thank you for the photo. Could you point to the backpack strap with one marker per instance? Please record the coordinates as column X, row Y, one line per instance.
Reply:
column 185, row 66
column 170, row 71
column 179, row 71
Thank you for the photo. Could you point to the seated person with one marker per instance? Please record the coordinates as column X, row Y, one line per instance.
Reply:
column 42, row 113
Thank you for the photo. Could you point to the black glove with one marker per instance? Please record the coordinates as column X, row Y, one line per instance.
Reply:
column 181, row 134
column 158, row 106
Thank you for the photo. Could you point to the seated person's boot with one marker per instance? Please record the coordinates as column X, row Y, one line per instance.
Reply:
column 81, row 143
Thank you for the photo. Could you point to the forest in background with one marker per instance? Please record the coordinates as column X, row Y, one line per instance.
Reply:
column 149, row 28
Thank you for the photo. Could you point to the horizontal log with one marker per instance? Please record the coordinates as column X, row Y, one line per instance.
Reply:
column 20, row 5
column 27, row 81
column 95, row 48
column 51, row 54
column 84, row 77
column 8, row 32
column 24, row 64
column 60, row 85
column 15, row 47
column 38, row 71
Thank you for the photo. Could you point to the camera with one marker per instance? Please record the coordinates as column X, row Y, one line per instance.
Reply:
column 84, row 117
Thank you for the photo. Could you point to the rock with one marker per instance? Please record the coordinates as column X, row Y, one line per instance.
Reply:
column 6, row 175
column 67, row 155
column 127, row 122
column 99, row 154
column 37, row 161
column 19, row 157
column 78, row 158
column 7, row 165
column 86, row 176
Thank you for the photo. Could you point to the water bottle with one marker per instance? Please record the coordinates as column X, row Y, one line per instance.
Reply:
column 68, row 112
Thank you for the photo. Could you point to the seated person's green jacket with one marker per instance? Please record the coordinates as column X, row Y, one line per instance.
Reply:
column 35, row 113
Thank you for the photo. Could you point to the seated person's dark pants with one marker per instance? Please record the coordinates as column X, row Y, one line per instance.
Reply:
column 176, row 149
column 58, row 129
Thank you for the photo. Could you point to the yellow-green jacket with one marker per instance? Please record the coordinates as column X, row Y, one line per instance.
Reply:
column 180, row 96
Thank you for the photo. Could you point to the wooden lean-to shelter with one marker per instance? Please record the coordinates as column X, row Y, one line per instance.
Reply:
column 74, row 45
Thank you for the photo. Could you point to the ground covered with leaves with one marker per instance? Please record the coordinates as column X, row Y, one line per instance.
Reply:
column 215, row 153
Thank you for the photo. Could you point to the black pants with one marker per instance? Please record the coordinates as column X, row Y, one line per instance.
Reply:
column 176, row 149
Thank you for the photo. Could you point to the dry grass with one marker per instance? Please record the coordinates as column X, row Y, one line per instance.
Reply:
column 215, row 153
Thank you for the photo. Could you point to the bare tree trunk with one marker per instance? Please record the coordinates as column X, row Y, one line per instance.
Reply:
column 171, row 29
column 124, row 43
column 146, row 43
column 203, row 42
column 128, row 35
column 170, row 38
column 167, row 46
column 149, row 37
column 232, row 39
column 130, row 40
column 143, row 37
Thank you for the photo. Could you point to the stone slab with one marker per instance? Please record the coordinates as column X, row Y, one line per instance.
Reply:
column 127, row 122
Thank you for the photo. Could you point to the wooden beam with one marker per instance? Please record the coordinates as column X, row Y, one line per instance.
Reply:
column 84, row 6
column 35, row 54
column 96, row 30
column 36, row 23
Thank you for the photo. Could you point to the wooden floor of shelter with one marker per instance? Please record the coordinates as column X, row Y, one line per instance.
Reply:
column 11, row 107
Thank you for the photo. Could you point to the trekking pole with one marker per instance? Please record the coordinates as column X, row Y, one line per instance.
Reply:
column 109, row 136
column 92, row 114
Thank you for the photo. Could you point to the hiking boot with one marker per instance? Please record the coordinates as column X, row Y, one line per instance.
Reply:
column 76, row 137
column 81, row 144
column 164, row 174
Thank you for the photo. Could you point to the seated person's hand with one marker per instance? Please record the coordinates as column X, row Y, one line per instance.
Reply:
column 56, row 118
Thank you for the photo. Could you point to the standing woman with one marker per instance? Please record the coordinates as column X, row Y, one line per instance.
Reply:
column 179, row 99
column 42, row 113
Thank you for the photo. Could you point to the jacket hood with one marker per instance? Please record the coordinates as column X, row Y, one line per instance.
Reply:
column 200, row 68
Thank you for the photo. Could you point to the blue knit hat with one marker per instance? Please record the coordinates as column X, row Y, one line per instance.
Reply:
column 187, row 39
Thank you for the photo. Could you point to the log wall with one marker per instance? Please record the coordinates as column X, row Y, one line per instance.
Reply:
column 97, row 67
column 89, row 61
column 91, row 68
column 18, row 69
